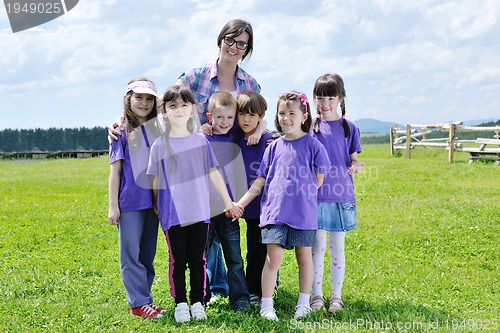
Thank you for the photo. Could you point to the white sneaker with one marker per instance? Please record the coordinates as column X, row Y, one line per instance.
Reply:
column 301, row 311
column 181, row 313
column 198, row 311
column 269, row 314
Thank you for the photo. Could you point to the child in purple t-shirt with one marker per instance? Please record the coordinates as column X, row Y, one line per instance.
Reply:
column 291, row 171
column 222, row 113
column 131, row 197
column 251, row 110
column 183, row 164
column 336, row 201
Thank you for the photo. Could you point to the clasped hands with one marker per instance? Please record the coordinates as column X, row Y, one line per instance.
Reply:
column 235, row 212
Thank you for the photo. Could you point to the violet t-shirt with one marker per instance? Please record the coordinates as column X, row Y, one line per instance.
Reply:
column 183, row 181
column 135, row 186
column 290, row 191
column 338, row 185
column 231, row 167
column 252, row 156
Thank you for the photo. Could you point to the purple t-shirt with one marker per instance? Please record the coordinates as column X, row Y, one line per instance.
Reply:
column 290, row 192
column 183, row 181
column 252, row 156
column 338, row 185
column 231, row 167
column 135, row 186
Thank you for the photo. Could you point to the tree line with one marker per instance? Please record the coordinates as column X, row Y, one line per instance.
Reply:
column 53, row 139
column 62, row 139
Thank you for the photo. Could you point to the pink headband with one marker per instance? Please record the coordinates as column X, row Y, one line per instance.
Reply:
column 303, row 98
column 142, row 87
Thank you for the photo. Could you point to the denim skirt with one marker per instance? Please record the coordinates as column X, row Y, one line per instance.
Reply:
column 337, row 217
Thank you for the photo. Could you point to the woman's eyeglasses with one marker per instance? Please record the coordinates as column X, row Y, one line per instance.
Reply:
column 240, row 45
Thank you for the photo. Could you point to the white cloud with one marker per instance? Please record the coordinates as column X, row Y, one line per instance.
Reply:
column 401, row 60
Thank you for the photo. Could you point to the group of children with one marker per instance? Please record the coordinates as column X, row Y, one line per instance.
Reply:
column 292, row 191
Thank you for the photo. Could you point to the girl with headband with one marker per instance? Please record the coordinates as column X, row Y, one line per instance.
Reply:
column 289, row 175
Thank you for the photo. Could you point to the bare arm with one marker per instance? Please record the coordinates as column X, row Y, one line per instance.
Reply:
column 115, row 170
column 220, row 186
column 252, row 192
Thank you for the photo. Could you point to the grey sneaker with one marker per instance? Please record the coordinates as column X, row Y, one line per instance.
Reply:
column 198, row 311
column 181, row 313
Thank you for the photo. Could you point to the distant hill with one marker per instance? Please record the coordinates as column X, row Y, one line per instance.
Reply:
column 479, row 121
column 369, row 125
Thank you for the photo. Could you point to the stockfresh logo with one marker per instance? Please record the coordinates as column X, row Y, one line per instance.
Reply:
column 28, row 14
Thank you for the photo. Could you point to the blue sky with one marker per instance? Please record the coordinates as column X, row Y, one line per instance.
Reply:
column 402, row 61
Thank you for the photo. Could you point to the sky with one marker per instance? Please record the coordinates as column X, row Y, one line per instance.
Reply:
column 407, row 62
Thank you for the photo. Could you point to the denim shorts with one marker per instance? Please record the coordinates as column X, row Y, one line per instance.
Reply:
column 337, row 217
column 287, row 236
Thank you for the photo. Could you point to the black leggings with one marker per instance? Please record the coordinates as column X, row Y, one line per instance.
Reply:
column 186, row 247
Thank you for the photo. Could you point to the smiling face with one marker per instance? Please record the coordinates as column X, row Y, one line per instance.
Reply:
column 178, row 112
column 232, row 53
column 327, row 107
column 223, row 119
column 290, row 119
column 142, row 105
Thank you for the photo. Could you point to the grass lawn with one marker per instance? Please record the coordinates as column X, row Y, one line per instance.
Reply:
column 425, row 256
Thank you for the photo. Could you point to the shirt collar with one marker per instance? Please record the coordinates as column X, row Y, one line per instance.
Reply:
column 214, row 73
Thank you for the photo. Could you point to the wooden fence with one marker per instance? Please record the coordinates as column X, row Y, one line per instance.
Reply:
column 35, row 155
column 479, row 148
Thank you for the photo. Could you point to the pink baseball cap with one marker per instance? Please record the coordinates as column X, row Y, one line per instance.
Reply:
column 142, row 87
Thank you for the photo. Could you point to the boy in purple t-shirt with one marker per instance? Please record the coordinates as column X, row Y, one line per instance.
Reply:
column 222, row 111
column 251, row 110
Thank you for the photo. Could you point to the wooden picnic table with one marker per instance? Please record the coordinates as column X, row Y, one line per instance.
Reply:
column 484, row 152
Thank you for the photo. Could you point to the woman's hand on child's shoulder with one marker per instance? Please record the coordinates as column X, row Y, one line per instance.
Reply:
column 114, row 130
column 274, row 137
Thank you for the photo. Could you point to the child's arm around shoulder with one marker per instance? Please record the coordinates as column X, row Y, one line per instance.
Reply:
column 259, row 131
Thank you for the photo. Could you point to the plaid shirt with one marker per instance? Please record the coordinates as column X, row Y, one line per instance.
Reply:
column 204, row 82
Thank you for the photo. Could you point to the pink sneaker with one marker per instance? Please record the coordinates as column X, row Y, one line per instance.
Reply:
column 145, row 311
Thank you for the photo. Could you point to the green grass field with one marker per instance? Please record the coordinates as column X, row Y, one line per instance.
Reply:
column 425, row 256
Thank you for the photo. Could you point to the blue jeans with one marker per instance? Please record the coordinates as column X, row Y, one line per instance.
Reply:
column 229, row 235
column 217, row 274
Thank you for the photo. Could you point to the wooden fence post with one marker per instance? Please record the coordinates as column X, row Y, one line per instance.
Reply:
column 408, row 140
column 451, row 143
column 391, row 139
